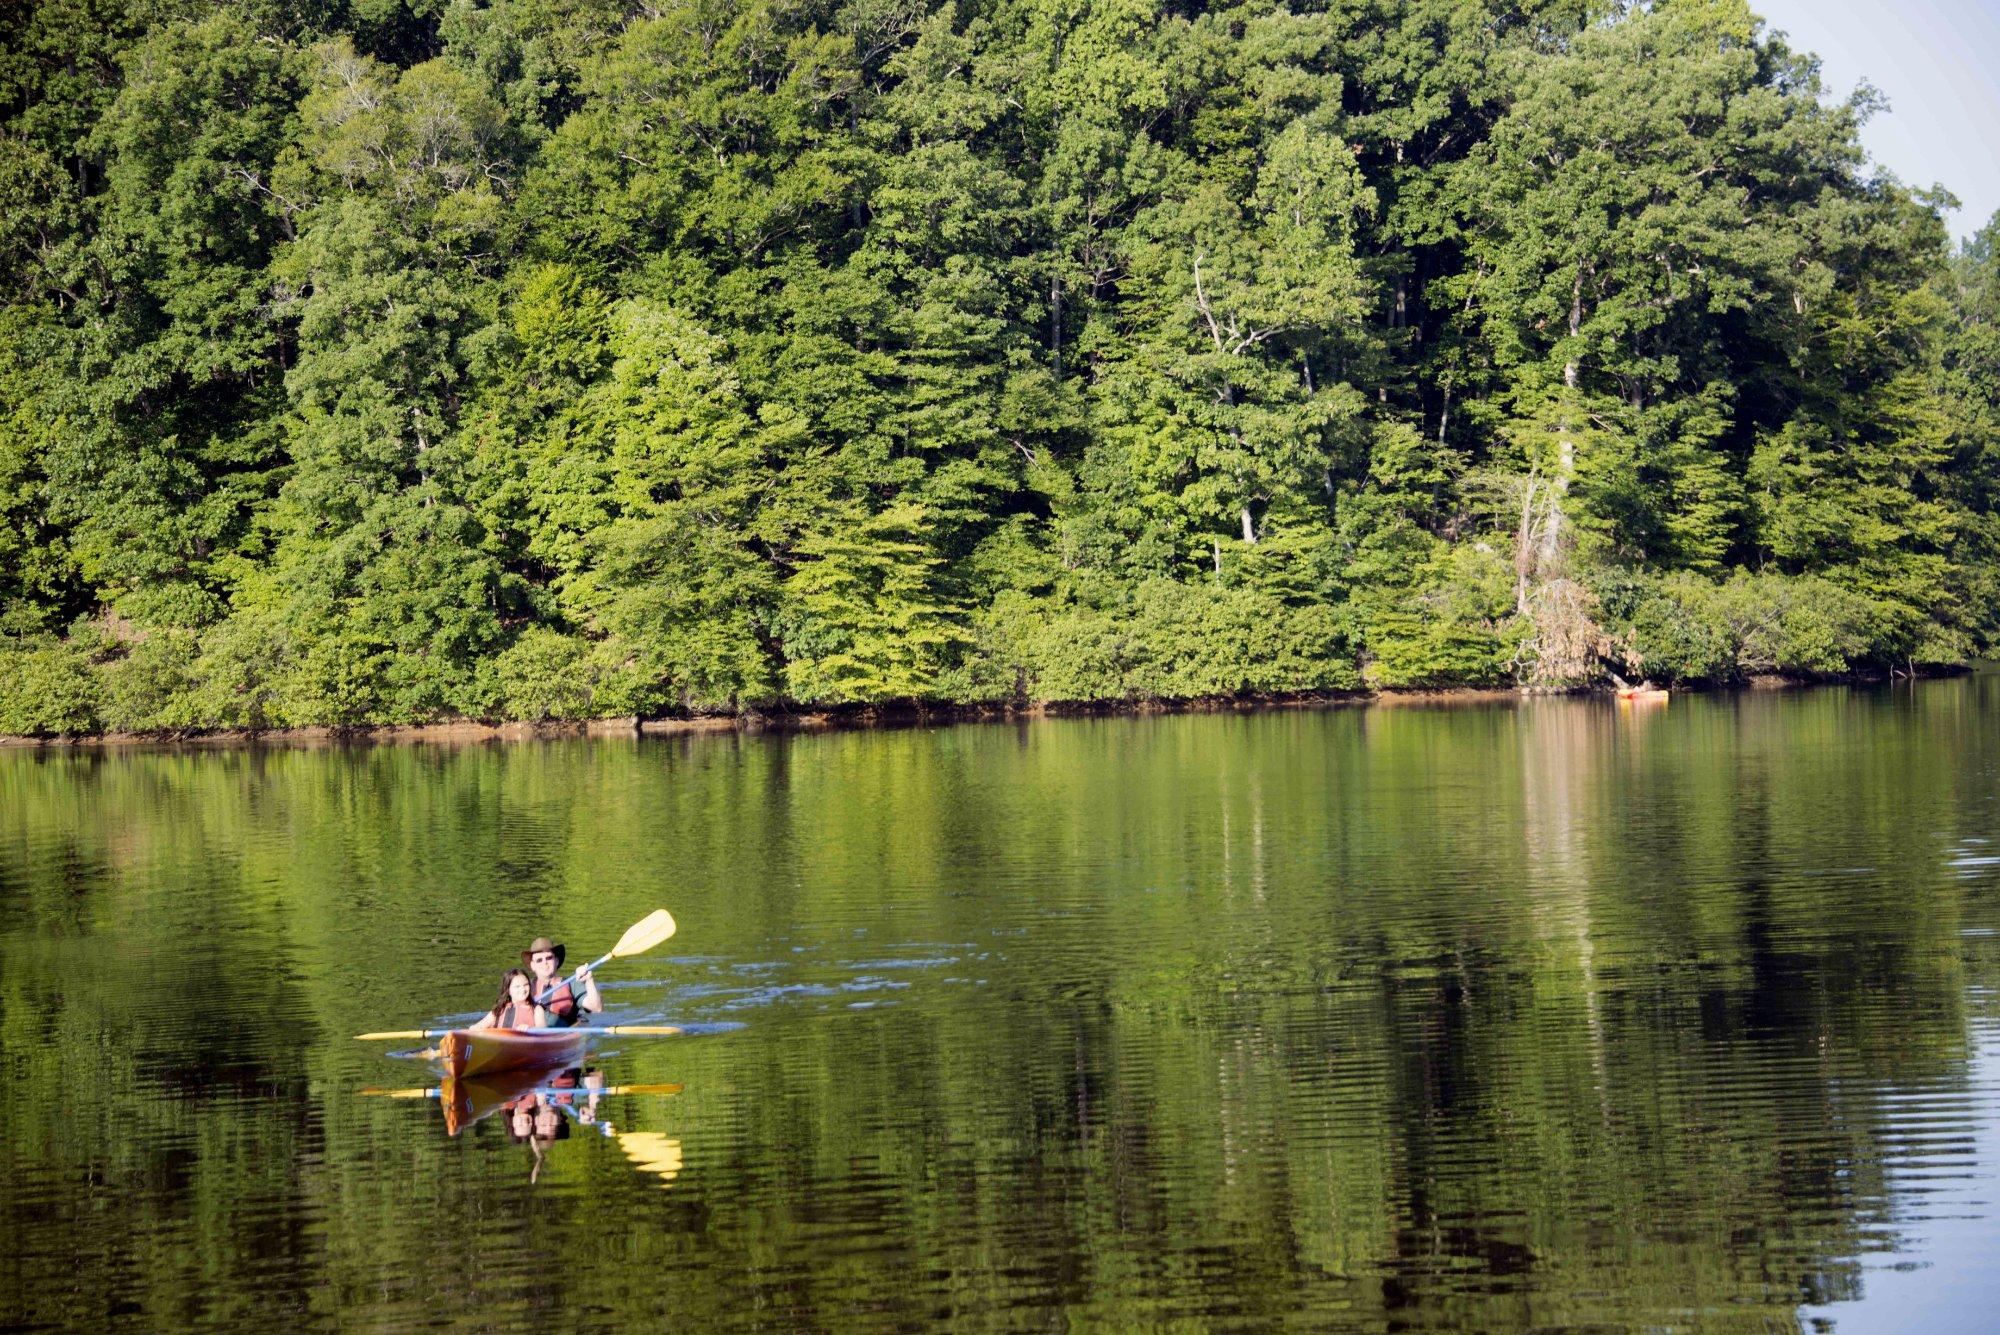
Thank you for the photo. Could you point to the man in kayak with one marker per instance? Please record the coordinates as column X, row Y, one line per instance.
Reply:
column 565, row 1008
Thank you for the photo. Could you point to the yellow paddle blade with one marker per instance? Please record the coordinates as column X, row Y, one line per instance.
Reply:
column 644, row 934
column 398, row 1093
column 402, row 1033
column 652, row 1152
column 658, row 1029
column 635, row 1089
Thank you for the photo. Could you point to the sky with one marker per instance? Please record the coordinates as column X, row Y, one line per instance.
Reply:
column 1938, row 63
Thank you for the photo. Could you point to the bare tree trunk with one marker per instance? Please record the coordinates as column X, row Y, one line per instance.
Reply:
column 1524, row 550
column 1249, row 530
column 1565, row 439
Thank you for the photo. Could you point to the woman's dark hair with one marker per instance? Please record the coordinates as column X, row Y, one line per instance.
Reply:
column 507, row 990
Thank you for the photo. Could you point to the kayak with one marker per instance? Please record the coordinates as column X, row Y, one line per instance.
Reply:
column 469, row 1052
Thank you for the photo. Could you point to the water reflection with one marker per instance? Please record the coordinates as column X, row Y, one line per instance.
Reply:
column 538, row 1108
column 652, row 1152
column 1553, row 1014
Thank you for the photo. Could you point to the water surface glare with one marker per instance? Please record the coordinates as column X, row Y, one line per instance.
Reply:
column 1548, row 1015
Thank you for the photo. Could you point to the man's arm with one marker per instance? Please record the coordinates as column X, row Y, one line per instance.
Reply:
column 589, row 1001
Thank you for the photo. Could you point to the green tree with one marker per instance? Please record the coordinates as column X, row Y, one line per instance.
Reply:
column 866, row 618
column 170, row 444
column 392, row 596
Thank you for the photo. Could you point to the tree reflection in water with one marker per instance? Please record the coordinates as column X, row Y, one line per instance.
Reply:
column 1548, row 1014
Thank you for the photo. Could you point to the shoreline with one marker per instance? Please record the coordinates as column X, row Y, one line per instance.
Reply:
column 864, row 717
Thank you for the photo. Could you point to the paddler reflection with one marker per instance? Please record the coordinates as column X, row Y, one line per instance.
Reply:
column 539, row 1117
column 539, row 1108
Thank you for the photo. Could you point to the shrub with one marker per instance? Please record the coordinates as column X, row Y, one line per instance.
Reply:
column 246, row 676
column 151, row 686
column 1451, row 624
column 1675, row 630
column 545, row 675
column 47, row 689
column 1164, row 640
column 1681, row 627
column 1803, row 624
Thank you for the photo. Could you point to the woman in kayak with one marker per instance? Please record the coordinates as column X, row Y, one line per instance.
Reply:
column 516, row 1008
column 565, row 1007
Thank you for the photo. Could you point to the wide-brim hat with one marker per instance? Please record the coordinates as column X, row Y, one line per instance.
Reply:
column 542, row 943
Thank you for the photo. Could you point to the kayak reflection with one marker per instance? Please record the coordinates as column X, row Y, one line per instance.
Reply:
column 539, row 1108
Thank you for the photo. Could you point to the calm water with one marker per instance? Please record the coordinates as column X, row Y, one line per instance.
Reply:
column 1406, row 1018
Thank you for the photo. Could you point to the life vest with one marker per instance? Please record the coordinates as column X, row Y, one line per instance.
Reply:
column 511, row 1015
column 562, row 1008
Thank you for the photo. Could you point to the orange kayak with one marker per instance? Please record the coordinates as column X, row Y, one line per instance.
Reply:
column 470, row 1052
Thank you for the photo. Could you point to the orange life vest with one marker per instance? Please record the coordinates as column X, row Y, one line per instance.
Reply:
column 515, row 1015
column 562, row 1008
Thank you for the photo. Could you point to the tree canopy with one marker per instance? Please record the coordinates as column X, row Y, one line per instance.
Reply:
column 554, row 358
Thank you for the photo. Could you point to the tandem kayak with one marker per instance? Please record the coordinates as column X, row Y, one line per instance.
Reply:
column 470, row 1052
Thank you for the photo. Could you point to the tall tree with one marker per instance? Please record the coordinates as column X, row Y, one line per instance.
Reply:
column 392, row 600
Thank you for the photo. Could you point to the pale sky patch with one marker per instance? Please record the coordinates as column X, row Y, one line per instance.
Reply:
column 1938, row 63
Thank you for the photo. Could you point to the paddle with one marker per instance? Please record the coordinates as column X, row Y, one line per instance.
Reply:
column 639, row 938
column 623, row 1029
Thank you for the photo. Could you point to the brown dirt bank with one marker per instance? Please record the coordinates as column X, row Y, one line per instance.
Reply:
column 463, row 731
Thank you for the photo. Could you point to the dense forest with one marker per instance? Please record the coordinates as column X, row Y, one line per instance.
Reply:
column 394, row 360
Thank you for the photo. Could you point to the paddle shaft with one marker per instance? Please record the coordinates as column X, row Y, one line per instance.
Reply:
column 550, row 1091
column 641, row 936
column 626, row 1029
column 570, row 982
column 575, row 1116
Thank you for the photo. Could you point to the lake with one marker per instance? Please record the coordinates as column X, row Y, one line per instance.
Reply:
column 1551, row 1014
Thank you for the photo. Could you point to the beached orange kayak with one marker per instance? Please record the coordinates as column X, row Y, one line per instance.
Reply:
column 469, row 1052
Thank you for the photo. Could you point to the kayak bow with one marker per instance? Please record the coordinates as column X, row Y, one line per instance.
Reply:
column 470, row 1052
